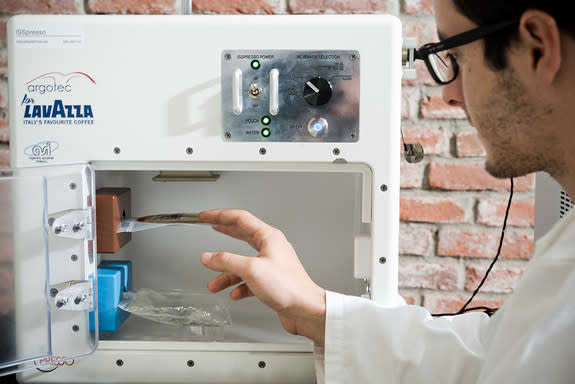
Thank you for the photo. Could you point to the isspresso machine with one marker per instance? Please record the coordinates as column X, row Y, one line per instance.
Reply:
column 294, row 118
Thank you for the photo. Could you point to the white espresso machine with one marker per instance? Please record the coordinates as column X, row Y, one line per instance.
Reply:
column 294, row 118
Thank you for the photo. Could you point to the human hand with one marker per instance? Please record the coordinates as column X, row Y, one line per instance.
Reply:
column 275, row 276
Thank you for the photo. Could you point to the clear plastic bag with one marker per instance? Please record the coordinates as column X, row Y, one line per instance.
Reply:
column 178, row 307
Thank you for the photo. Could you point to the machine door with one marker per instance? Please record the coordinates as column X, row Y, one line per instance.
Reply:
column 47, row 266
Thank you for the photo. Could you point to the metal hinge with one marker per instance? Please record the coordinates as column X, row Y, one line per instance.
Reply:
column 74, row 224
column 73, row 295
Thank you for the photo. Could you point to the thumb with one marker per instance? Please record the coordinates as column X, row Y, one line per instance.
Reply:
column 226, row 262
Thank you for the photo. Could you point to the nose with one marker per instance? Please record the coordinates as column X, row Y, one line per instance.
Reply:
column 452, row 93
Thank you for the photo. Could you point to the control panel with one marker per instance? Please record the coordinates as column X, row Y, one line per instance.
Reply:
column 290, row 95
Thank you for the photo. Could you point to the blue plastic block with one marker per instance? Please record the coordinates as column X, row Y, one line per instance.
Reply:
column 126, row 266
column 111, row 282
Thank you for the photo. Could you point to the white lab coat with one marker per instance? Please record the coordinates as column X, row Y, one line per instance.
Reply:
column 530, row 340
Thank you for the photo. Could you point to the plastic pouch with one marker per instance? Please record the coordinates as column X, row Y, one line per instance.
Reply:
column 178, row 307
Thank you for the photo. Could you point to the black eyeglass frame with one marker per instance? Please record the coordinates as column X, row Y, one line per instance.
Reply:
column 456, row 41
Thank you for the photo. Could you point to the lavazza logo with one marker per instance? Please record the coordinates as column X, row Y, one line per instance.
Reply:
column 44, row 101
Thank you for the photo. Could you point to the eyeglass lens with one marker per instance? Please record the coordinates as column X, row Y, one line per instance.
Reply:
column 443, row 66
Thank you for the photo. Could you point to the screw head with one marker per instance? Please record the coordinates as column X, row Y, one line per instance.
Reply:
column 336, row 151
column 116, row 150
column 383, row 188
column 228, row 135
column 190, row 363
column 228, row 56
column 382, row 260
column 75, row 328
column 262, row 364
column 119, row 362
column 263, row 151
column 189, row 150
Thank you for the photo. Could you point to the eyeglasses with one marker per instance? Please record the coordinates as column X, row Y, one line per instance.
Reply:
column 441, row 64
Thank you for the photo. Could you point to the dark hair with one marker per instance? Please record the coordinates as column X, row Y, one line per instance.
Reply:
column 484, row 12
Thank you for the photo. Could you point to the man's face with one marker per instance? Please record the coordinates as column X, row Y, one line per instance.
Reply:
column 497, row 103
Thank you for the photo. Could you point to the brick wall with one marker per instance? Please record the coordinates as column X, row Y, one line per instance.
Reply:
column 451, row 209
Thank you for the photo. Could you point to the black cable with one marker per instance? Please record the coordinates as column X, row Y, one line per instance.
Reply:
column 489, row 311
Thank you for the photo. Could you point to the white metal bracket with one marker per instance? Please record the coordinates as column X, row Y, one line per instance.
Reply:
column 408, row 57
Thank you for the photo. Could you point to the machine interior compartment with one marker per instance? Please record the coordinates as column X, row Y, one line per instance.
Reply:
column 320, row 212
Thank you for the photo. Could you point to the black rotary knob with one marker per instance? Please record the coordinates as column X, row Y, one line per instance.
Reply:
column 317, row 91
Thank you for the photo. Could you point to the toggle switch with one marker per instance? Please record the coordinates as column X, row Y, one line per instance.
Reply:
column 237, row 100
column 274, row 92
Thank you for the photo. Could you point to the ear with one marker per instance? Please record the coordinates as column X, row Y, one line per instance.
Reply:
column 540, row 35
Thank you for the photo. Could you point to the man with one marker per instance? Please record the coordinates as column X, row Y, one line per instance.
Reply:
column 515, row 77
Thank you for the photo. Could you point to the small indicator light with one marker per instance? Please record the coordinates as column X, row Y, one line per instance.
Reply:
column 266, row 120
column 266, row 132
column 255, row 64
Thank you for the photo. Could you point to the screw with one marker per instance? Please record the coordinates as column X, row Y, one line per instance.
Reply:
column 189, row 150
column 72, row 186
column 228, row 56
column 75, row 328
column 63, row 301
column 263, row 151
column 383, row 188
column 353, row 57
column 117, row 150
column 53, row 292
column 74, row 257
column 382, row 260
column 352, row 135
column 336, row 151
column 78, row 227
column 262, row 364
column 191, row 363
column 77, row 300
column 59, row 229
column 228, row 135
column 51, row 221
column 119, row 362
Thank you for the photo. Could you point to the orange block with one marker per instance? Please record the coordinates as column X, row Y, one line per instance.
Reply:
column 112, row 206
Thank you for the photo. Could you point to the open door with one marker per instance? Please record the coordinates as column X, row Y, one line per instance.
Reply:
column 47, row 266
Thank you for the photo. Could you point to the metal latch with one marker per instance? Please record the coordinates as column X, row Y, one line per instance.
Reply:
column 408, row 57
column 73, row 295
column 74, row 224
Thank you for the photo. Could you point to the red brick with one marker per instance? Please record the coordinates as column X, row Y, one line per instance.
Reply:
column 418, row 7
column 3, row 64
column 473, row 177
column 4, row 156
column 237, row 6
column 433, row 107
column 492, row 212
column 411, row 175
column 431, row 210
column 3, row 32
column 132, row 6
column 448, row 304
column 430, row 276
column 3, row 94
column 4, row 130
column 468, row 144
column 430, row 139
column 337, row 6
column 415, row 240
column 500, row 280
column 409, row 299
column 452, row 242
column 14, row 7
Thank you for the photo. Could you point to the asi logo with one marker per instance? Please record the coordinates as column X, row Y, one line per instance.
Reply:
column 41, row 152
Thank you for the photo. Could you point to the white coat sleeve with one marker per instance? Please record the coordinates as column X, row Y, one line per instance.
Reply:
column 368, row 343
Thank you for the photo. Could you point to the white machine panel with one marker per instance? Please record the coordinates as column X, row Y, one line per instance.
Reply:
column 295, row 117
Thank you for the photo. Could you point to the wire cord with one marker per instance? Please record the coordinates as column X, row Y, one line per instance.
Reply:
column 489, row 311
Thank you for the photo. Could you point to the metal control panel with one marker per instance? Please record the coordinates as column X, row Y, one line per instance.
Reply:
column 290, row 95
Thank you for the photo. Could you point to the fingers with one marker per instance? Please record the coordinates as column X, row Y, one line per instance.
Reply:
column 226, row 262
column 239, row 224
column 223, row 281
column 241, row 292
